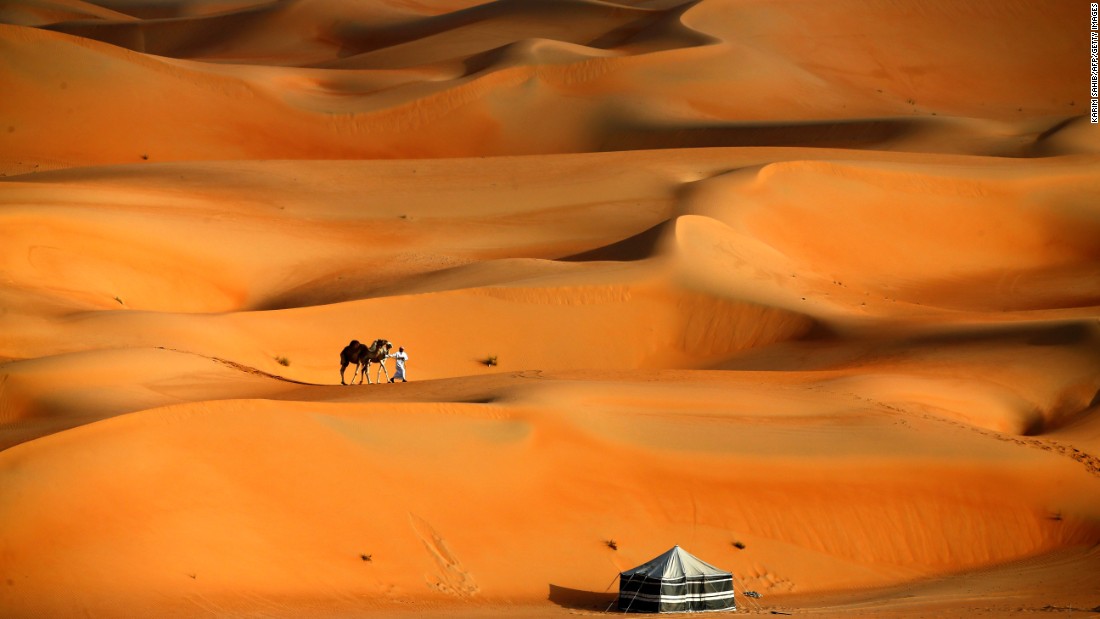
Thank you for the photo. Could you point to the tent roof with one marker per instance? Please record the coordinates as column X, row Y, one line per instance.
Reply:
column 675, row 563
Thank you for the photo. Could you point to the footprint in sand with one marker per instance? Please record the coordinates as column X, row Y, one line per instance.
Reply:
column 452, row 577
column 763, row 580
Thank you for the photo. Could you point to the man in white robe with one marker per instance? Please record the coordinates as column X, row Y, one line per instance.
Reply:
column 400, row 357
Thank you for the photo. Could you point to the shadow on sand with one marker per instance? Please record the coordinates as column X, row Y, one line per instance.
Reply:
column 582, row 600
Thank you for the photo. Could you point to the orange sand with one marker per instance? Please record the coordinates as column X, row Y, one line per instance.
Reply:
column 819, row 279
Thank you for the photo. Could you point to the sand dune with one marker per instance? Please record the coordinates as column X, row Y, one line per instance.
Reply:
column 599, row 76
column 998, row 240
column 357, row 465
column 810, row 289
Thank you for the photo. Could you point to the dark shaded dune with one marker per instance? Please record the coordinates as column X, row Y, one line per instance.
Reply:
column 835, row 351
column 494, row 59
column 651, row 32
column 363, row 284
column 637, row 247
column 174, row 37
column 229, row 112
column 38, row 13
column 917, row 134
column 259, row 32
column 1051, row 371
column 164, row 9
column 488, row 27
column 653, row 4
column 353, row 285
column 1073, row 135
column 506, row 15
column 138, row 379
column 248, row 31
column 659, row 31
column 824, row 134
column 1082, row 335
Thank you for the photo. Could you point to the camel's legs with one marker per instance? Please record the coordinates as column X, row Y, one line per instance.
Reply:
column 344, row 366
column 363, row 372
column 382, row 367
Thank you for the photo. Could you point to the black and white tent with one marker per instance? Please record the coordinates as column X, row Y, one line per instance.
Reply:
column 675, row 582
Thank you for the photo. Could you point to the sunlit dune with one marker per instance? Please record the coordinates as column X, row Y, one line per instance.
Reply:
column 598, row 76
column 809, row 289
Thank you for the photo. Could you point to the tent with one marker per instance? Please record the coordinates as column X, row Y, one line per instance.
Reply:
column 675, row 582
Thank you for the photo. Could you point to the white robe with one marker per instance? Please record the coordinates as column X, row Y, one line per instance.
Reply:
column 399, row 361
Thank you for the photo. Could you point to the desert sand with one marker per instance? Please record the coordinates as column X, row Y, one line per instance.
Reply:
column 811, row 289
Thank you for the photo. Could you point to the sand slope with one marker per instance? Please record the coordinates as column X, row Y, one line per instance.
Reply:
column 812, row 290
column 597, row 76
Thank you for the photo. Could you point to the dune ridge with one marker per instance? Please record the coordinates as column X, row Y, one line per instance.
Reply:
column 809, row 289
column 454, row 83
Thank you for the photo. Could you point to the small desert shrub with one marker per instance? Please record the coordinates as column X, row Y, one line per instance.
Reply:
column 491, row 360
column 739, row 545
column 282, row 360
column 611, row 544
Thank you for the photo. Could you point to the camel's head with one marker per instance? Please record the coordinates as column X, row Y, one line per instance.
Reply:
column 388, row 346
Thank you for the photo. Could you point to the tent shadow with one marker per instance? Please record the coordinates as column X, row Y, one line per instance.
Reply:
column 578, row 599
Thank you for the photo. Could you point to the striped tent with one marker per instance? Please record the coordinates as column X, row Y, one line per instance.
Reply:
column 675, row 582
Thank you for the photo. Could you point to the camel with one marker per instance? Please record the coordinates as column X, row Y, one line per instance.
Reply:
column 362, row 356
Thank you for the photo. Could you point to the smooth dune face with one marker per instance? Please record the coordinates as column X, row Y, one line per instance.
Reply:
column 809, row 289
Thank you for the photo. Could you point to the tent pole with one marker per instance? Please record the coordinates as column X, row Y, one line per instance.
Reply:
column 608, row 609
column 635, row 596
column 756, row 605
